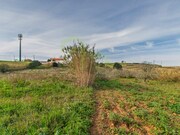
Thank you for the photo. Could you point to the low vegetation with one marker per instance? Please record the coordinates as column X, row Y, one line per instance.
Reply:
column 117, row 66
column 40, row 102
column 14, row 65
column 129, row 106
column 140, row 99
column 4, row 68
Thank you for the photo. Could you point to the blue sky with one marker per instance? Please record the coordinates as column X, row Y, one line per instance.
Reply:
column 129, row 30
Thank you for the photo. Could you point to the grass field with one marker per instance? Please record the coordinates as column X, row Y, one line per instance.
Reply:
column 45, row 101
column 14, row 65
column 40, row 102
column 162, row 73
column 128, row 106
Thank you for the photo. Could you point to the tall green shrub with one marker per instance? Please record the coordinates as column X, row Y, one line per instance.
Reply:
column 82, row 60
column 34, row 64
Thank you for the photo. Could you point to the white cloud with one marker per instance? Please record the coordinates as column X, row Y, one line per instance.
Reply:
column 149, row 44
column 133, row 48
column 178, row 41
column 167, row 59
column 45, row 32
column 112, row 50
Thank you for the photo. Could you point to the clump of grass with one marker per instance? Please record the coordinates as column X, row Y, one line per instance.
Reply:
column 122, row 105
column 120, row 131
column 106, row 104
column 175, row 107
column 128, row 121
column 142, row 113
column 153, row 104
column 115, row 118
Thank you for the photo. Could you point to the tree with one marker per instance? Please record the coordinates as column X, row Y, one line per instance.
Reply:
column 82, row 61
column 48, row 60
column 34, row 64
column 117, row 66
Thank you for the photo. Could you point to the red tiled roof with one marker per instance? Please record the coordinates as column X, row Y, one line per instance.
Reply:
column 55, row 59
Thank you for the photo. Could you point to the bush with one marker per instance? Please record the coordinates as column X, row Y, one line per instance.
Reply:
column 82, row 60
column 117, row 66
column 28, row 60
column 54, row 64
column 4, row 68
column 34, row 64
column 101, row 64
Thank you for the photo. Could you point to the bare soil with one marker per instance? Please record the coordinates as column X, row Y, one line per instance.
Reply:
column 102, row 125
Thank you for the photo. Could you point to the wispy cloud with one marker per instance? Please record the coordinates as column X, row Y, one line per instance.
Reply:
column 138, row 29
column 178, row 41
column 133, row 48
column 149, row 44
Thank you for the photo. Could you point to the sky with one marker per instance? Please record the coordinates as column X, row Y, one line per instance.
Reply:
column 121, row 30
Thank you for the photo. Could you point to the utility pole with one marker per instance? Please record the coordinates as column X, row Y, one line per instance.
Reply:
column 20, row 38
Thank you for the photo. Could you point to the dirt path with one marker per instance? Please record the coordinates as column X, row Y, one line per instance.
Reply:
column 109, row 102
column 100, row 122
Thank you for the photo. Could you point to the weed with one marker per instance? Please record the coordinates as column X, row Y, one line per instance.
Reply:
column 142, row 113
column 107, row 84
column 122, row 105
column 106, row 104
column 128, row 121
column 115, row 118
column 153, row 104
column 175, row 107
column 120, row 131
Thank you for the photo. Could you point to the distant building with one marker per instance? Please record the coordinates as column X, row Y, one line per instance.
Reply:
column 57, row 60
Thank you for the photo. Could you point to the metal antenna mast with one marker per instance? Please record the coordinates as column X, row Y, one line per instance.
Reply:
column 20, row 38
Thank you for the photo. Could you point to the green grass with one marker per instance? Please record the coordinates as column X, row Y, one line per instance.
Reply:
column 156, row 103
column 107, row 104
column 41, row 102
column 15, row 65
column 43, row 106
column 115, row 118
